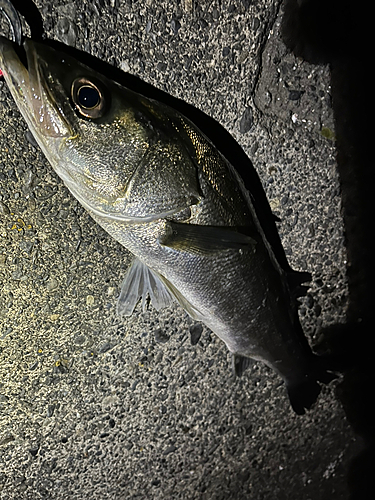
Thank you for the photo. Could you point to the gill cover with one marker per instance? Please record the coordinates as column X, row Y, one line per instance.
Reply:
column 119, row 153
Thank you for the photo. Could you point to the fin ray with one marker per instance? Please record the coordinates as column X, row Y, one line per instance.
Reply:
column 205, row 239
column 139, row 282
column 296, row 280
column 240, row 364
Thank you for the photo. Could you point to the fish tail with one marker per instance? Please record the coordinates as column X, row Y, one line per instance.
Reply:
column 304, row 392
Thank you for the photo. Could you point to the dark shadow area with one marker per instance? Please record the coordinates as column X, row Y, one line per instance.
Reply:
column 334, row 32
column 32, row 16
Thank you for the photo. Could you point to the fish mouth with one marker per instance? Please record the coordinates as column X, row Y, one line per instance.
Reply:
column 25, row 74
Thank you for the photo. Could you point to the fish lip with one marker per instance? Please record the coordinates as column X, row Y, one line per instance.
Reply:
column 46, row 95
column 9, row 54
column 31, row 91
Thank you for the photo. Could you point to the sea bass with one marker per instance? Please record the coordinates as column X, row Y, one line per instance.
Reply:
column 154, row 182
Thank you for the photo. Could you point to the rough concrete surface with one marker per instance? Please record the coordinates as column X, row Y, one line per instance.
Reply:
column 93, row 406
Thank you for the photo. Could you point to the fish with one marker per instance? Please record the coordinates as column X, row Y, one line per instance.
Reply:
column 150, row 178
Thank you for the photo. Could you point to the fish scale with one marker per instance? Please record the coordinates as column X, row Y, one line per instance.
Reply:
column 162, row 190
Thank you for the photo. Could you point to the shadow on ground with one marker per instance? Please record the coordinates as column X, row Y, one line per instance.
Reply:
column 333, row 31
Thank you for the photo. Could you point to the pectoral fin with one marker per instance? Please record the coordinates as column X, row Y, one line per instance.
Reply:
column 139, row 282
column 205, row 239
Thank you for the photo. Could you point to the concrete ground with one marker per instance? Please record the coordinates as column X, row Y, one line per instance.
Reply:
column 93, row 406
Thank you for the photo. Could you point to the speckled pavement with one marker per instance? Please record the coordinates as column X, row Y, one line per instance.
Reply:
column 93, row 406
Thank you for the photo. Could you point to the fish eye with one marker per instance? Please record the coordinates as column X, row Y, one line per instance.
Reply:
column 88, row 97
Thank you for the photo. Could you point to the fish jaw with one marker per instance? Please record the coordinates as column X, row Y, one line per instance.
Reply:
column 33, row 98
column 44, row 118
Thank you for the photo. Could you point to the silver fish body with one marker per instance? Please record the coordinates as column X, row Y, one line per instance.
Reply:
column 154, row 182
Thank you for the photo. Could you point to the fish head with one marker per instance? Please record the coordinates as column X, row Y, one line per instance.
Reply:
column 117, row 151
